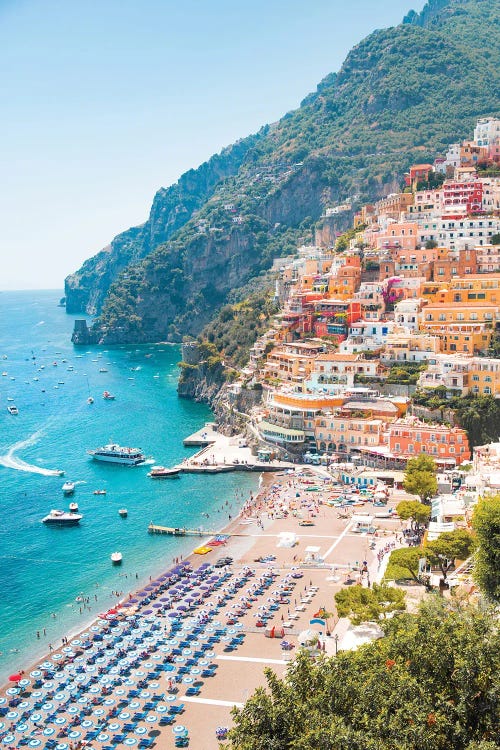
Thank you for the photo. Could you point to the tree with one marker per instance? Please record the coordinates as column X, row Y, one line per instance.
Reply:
column 361, row 604
column 422, row 462
column 403, row 563
column 495, row 239
column 448, row 547
column 421, row 483
column 419, row 513
column 486, row 524
column 420, row 477
column 407, row 690
column 431, row 244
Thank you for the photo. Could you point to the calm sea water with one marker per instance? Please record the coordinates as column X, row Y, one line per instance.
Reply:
column 44, row 570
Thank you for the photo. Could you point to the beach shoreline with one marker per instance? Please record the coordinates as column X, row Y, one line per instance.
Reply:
column 288, row 503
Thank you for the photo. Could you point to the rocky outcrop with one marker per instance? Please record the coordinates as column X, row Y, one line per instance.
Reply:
column 202, row 374
column 82, row 335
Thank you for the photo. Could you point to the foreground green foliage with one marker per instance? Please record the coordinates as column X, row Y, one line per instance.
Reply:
column 486, row 524
column 431, row 684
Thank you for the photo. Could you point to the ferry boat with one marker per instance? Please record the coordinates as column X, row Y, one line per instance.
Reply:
column 160, row 472
column 68, row 488
column 116, row 454
column 116, row 558
column 61, row 518
column 12, row 409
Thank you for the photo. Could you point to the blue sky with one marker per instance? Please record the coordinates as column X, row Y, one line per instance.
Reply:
column 103, row 102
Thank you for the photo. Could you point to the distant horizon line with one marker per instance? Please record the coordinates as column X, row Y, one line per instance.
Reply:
column 42, row 289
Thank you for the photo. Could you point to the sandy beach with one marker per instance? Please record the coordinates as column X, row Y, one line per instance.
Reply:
column 173, row 659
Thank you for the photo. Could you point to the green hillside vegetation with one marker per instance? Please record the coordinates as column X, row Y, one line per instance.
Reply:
column 236, row 327
column 402, row 95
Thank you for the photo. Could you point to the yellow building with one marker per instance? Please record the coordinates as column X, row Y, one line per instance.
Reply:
column 461, row 327
column 483, row 288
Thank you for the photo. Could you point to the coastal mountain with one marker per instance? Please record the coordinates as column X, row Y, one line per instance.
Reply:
column 401, row 96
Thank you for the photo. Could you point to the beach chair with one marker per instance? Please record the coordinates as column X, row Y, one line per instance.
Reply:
column 176, row 709
column 182, row 742
column 193, row 691
column 145, row 743
column 167, row 720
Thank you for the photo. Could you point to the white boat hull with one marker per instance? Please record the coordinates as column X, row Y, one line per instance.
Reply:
column 118, row 460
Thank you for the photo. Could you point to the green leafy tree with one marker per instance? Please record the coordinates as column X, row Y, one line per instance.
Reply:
column 486, row 524
column 448, row 547
column 432, row 683
column 422, row 462
column 403, row 563
column 421, row 483
column 418, row 513
column 420, row 477
column 361, row 604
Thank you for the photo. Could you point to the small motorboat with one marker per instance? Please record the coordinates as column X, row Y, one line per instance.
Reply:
column 73, row 507
column 116, row 558
column 123, row 512
column 102, row 369
column 107, row 396
column 99, row 492
column 160, row 472
column 90, row 400
column 12, row 409
column 68, row 488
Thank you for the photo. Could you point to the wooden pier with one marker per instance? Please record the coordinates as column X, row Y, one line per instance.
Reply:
column 154, row 528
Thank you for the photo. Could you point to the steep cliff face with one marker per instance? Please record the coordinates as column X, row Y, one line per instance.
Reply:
column 172, row 207
column 402, row 95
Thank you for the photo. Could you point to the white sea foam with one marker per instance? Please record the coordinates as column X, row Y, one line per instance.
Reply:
column 11, row 461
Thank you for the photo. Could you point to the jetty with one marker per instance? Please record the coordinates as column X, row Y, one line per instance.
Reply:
column 154, row 528
column 201, row 438
column 222, row 453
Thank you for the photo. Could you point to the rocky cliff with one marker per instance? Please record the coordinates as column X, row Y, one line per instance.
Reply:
column 172, row 207
column 402, row 95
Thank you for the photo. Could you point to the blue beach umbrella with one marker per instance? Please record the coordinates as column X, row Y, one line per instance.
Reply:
column 179, row 730
column 48, row 731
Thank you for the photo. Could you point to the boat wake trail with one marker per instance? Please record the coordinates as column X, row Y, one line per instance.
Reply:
column 11, row 461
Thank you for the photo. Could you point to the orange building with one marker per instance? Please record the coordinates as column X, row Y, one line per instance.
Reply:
column 410, row 437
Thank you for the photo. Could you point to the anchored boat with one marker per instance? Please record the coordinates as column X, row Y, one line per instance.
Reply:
column 62, row 518
column 160, row 472
column 116, row 454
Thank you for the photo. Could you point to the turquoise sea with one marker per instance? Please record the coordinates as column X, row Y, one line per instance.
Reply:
column 47, row 571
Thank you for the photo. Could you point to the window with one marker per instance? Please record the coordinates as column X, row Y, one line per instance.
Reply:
column 487, row 391
column 397, row 447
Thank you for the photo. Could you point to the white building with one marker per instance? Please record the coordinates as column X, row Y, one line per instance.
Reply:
column 406, row 313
